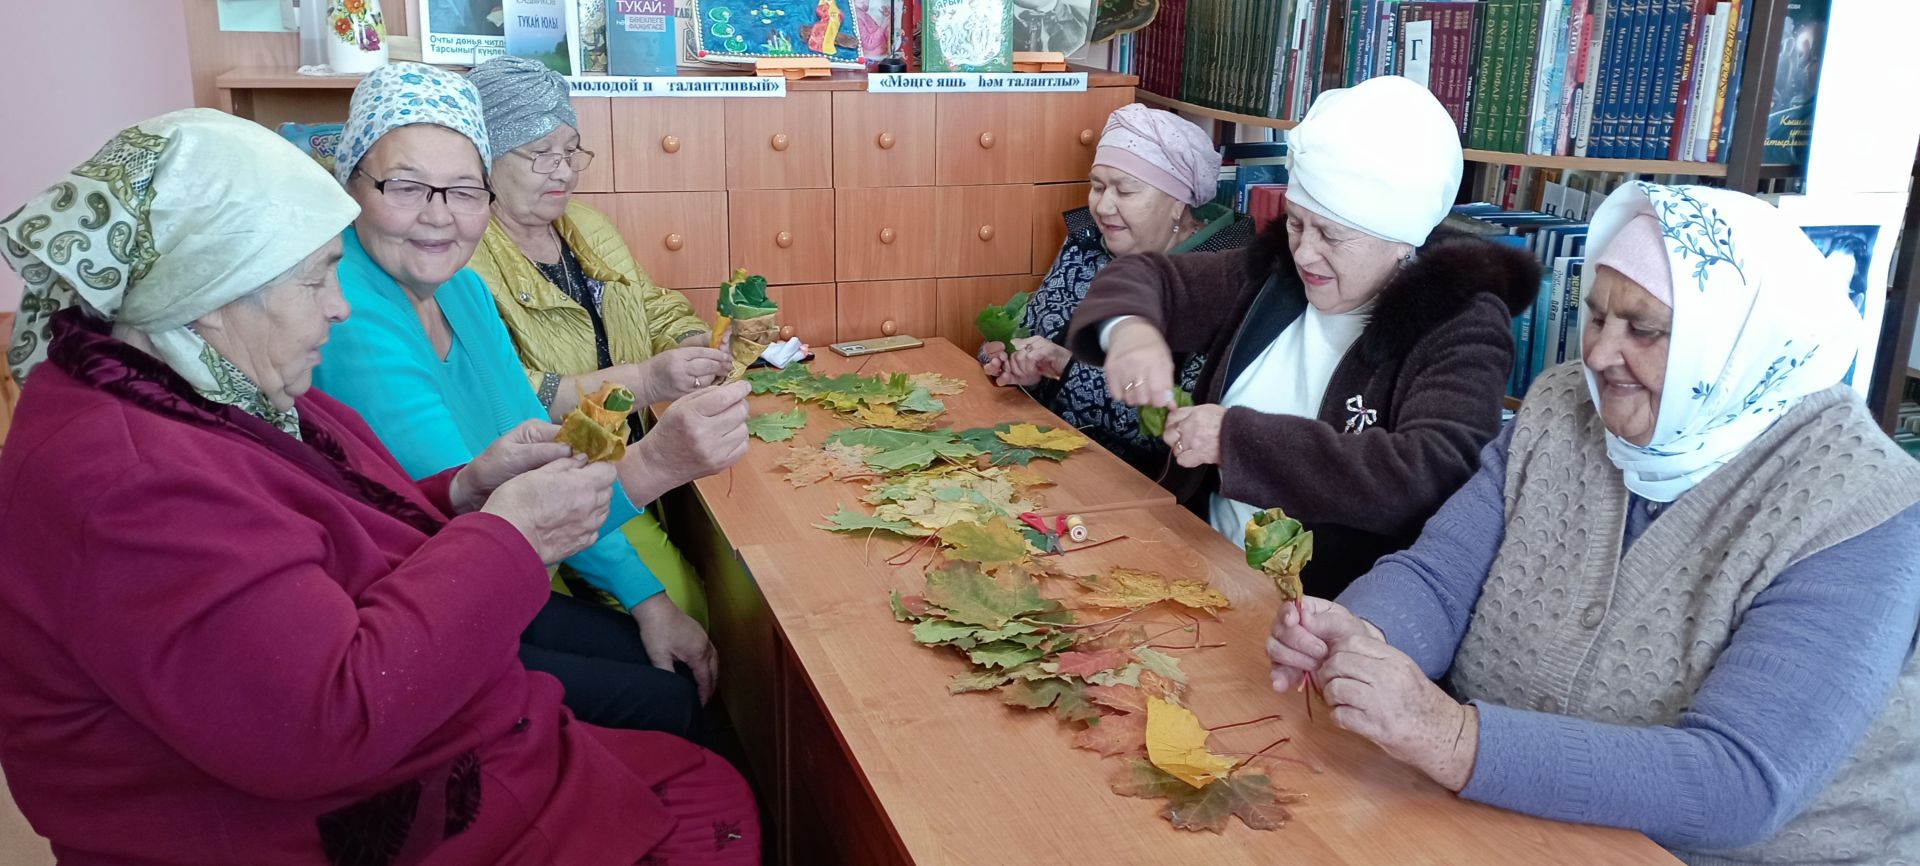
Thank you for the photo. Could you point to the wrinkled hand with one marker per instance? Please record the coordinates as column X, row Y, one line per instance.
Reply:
column 559, row 507
column 670, row 636
column 676, row 373
column 993, row 359
column 1193, row 432
column 524, row 449
column 1036, row 358
column 1379, row 693
column 1139, row 365
column 1298, row 646
column 699, row 435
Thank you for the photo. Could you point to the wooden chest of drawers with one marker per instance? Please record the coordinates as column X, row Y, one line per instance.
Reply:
column 870, row 213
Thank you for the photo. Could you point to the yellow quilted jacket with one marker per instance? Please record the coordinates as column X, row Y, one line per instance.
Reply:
column 552, row 333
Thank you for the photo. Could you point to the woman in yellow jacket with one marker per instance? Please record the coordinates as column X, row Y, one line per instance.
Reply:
column 580, row 310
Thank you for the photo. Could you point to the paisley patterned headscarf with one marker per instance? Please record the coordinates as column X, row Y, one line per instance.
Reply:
column 1758, row 323
column 174, row 218
column 404, row 94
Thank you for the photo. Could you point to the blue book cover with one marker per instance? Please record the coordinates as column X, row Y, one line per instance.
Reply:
column 1728, row 116
column 1656, row 129
column 1790, row 119
column 1522, row 352
column 1633, row 98
column 537, row 30
column 1546, row 304
column 1613, row 76
column 640, row 37
column 1570, row 270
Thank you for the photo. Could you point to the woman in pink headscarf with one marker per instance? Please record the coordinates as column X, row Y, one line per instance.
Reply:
column 1152, row 188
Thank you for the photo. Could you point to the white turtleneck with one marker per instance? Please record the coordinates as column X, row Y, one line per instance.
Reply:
column 1288, row 378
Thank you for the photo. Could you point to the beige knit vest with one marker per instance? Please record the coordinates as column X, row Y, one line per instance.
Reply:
column 1567, row 625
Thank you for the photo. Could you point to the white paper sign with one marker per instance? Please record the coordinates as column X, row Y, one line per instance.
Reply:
column 687, row 86
column 976, row 82
column 1418, row 51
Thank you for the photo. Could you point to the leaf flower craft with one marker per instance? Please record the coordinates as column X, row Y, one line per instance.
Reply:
column 745, row 308
column 598, row 427
column 1000, row 323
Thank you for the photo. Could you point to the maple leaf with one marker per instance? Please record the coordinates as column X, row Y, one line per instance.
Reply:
column 1177, row 743
column 920, row 400
column 1024, row 480
column 1126, row 675
column 936, row 384
column 897, row 450
column 1068, row 698
column 1162, row 664
column 1279, row 546
column 1004, row 654
column 888, row 417
column 807, row 465
column 941, row 631
column 999, row 453
column 935, row 500
column 1153, row 419
column 1126, row 699
column 782, row 381
column 1249, row 796
column 907, row 608
column 989, row 541
column 979, row 681
column 1131, row 589
column 1155, row 685
column 1112, row 735
column 1030, row 436
column 1086, row 664
column 848, row 520
column 1000, row 323
column 968, row 595
column 776, row 426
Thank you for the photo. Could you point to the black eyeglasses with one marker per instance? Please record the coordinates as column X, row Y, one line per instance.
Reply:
column 547, row 163
column 414, row 195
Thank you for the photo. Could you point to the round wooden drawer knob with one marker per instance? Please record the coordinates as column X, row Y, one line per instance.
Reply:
column 670, row 143
column 986, row 233
column 780, row 142
column 783, row 240
column 675, row 242
column 786, row 332
column 1086, row 136
column 888, row 328
column 886, row 236
column 986, row 140
column 885, row 141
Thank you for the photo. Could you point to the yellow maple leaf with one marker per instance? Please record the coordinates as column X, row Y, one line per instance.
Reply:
column 1022, row 478
column 990, row 541
column 885, row 415
column 938, row 385
column 1057, row 439
column 1126, row 588
column 1177, row 743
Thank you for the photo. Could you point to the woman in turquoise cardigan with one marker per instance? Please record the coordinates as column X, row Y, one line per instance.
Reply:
column 425, row 358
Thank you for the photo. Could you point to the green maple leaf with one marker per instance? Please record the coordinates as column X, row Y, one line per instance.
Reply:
column 918, row 400
column 1003, row 654
column 934, row 632
column 999, row 453
column 1249, row 796
column 1068, row 698
column 900, row 450
column 848, row 520
column 776, row 426
column 978, row 681
column 1160, row 663
column 969, row 595
column 989, row 542
column 745, row 297
column 1126, row 676
column 771, row 381
column 1153, row 419
column 1281, row 547
column 1000, row 323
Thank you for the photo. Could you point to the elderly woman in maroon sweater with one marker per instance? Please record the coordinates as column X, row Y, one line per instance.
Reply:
column 232, row 630
column 1356, row 354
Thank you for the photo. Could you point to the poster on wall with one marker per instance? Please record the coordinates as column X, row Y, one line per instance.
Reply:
column 462, row 32
column 1052, row 25
column 1856, row 235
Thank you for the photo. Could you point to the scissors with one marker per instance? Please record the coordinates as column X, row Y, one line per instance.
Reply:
column 1052, row 534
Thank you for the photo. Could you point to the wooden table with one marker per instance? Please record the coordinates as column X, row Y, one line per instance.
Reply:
column 864, row 758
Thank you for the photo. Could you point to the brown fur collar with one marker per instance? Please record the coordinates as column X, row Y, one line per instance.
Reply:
column 1447, row 274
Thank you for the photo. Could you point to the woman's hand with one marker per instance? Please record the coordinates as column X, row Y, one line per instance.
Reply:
column 1379, row 693
column 676, row 373
column 524, row 449
column 993, row 359
column 1193, row 432
column 670, row 636
column 699, row 435
column 1034, row 358
column 1139, row 365
column 558, row 507
column 1299, row 644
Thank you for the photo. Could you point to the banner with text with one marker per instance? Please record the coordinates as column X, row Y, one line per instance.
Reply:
column 617, row 85
column 975, row 82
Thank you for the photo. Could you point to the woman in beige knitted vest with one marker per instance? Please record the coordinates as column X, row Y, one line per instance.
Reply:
column 1681, row 595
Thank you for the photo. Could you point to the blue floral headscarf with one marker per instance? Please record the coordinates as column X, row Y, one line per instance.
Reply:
column 403, row 94
column 1758, row 323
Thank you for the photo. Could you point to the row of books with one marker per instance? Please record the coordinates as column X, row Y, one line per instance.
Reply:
column 1623, row 79
column 1548, row 333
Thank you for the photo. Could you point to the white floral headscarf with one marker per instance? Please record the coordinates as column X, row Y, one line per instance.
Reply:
column 1758, row 323
column 172, row 219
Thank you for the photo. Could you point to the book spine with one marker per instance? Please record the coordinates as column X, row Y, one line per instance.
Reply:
column 1646, row 61
column 1546, row 305
column 1574, row 65
column 1555, row 270
column 1468, row 40
column 1659, row 74
column 1590, row 76
column 1570, row 307
column 1479, row 78
column 1706, row 101
column 1528, row 41
column 1681, row 99
column 1726, row 113
column 1620, row 81
column 1542, row 81
column 1666, row 95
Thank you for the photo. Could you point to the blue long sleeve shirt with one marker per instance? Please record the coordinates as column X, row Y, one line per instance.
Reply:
column 1789, row 698
column 435, row 413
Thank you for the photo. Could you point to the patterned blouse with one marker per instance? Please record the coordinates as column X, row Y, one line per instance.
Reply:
column 1080, row 395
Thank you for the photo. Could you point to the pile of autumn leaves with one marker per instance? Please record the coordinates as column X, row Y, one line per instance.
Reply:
column 961, row 492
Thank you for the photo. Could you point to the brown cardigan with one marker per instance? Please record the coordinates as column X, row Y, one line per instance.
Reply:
column 1431, row 364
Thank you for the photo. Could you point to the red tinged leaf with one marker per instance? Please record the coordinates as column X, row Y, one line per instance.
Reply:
column 1122, row 734
column 1086, row 664
column 1067, row 698
column 1155, row 685
column 1126, row 699
column 1248, row 795
column 914, row 604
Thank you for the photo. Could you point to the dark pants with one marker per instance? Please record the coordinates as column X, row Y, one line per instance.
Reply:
column 596, row 654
